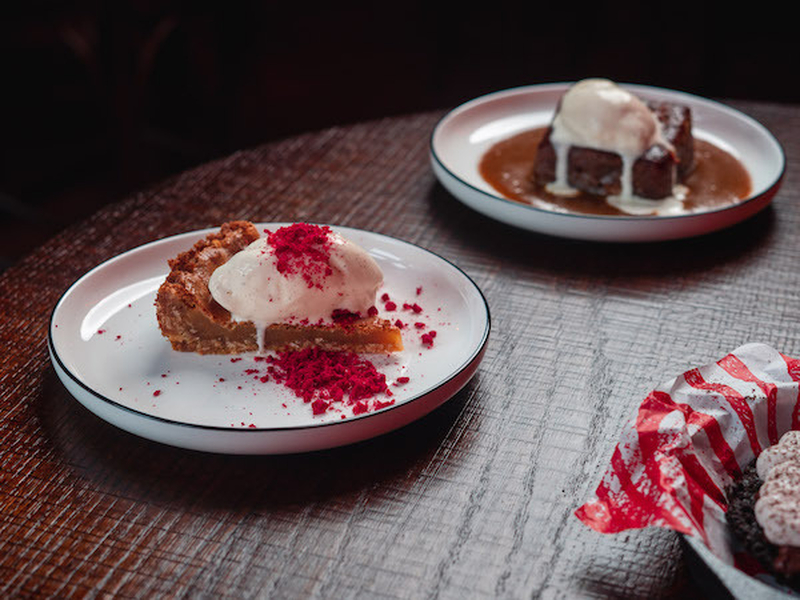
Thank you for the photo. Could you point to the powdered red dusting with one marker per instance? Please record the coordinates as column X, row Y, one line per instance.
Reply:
column 342, row 316
column 413, row 307
column 303, row 249
column 427, row 338
column 323, row 377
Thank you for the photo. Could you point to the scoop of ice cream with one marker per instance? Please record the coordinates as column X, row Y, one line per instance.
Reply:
column 787, row 449
column 598, row 114
column 778, row 506
column 298, row 274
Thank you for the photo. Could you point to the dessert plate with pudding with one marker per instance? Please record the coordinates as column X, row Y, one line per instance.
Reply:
column 601, row 162
column 142, row 341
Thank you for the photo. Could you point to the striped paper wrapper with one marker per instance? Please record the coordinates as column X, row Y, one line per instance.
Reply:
column 690, row 440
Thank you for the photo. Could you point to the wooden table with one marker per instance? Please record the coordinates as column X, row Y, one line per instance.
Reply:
column 476, row 499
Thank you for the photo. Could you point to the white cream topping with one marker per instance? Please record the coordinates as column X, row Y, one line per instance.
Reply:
column 598, row 114
column 778, row 506
column 250, row 286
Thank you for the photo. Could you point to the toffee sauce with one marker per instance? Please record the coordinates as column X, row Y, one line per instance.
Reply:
column 718, row 179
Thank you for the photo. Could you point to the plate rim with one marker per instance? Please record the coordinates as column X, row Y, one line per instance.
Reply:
column 772, row 187
column 476, row 354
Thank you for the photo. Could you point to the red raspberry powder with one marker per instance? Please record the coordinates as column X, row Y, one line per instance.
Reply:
column 303, row 249
column 344, row 317
column 324, row 377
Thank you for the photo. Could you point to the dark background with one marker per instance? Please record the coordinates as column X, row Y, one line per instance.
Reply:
column 100, row 99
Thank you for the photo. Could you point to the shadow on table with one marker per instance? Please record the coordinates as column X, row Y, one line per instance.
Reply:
column 616, row 574
column 119, row 463
column 529, row 251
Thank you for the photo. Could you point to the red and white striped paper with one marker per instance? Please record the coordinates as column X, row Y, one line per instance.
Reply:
column 691, row 439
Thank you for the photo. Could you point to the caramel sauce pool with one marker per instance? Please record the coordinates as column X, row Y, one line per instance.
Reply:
column 718, row 179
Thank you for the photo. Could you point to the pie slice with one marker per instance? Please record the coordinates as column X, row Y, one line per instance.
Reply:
column 193, row 321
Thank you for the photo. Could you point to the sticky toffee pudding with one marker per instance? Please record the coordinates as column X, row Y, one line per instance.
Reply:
column 608, row 153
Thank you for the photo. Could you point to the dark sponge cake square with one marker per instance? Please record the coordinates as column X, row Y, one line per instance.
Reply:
column 599, row 172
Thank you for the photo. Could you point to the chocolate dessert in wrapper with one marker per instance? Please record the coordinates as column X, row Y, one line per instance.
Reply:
column 691, row 440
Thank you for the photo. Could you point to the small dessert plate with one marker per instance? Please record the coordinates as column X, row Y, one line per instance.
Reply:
column 462, row 137
column 107, row 349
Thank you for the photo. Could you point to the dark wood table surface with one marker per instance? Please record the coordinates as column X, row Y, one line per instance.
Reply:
column 475, row 499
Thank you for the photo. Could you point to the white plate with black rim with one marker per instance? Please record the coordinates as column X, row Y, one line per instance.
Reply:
column 108, row 351
column 462, row 137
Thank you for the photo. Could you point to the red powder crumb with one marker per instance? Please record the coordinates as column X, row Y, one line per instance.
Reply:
column 101, row 331
column 427, row 338
column 385, row 297
column 236, row 359
column 322, row 377
column 399, row 324
column 252, row 426
column 344, row 317
column 402, row 380
column 419, row 325
column 419, row 290
column 390, row 306
column 157, row 393
column 303, row 249
column 119, row 337
column 412, row 307
column 372, row 311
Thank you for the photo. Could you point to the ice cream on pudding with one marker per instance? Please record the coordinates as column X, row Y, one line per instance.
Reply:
column 299, row 286
column 605, row 141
